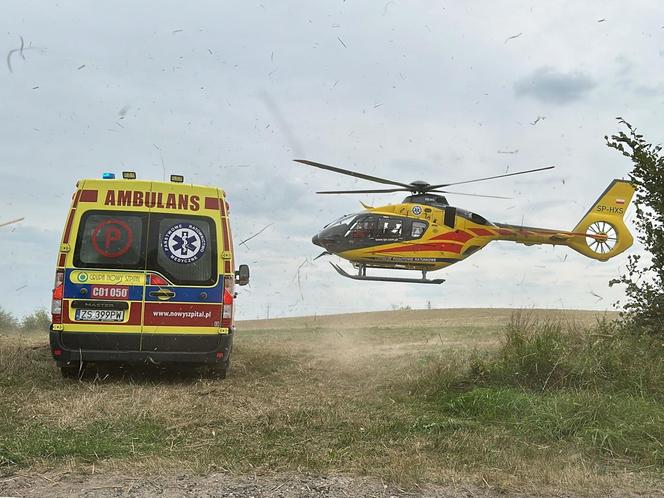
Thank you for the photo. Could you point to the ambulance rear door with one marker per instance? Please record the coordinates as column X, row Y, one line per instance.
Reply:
column 104, row 277
column 183, row 297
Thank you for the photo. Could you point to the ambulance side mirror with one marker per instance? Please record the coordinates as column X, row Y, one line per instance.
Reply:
column 242, row 275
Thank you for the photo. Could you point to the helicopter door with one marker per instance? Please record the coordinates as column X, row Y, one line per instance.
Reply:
column 388, row 229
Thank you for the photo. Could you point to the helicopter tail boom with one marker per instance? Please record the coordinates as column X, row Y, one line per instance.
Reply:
column 601, row 233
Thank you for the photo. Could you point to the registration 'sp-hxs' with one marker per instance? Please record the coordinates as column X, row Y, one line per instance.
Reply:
column 145, row 273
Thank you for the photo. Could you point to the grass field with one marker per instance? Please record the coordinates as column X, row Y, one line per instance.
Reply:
column 376, row 394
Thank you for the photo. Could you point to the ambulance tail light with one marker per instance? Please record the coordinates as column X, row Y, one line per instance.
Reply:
column 56, row 302
column 155, row 279
column 227, row 309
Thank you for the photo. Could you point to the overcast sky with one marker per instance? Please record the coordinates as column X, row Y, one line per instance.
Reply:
column 228, row 93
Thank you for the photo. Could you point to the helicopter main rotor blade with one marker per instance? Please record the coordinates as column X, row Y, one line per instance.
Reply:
column 352, row 173
column 431, row 187
column 471, row 195
column 373, row 191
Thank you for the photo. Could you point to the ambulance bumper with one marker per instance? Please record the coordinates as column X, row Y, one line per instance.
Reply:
column 93, row 347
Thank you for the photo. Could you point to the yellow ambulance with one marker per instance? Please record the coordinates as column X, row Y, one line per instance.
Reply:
column 145, row 274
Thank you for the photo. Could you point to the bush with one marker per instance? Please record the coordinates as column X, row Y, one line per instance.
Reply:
column 8, row 322
column 533, row 354
column 548, row 356
column 39, row 321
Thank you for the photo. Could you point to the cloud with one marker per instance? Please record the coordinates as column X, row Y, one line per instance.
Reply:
column 553, row 87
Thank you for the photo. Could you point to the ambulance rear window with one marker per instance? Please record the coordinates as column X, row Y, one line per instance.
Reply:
column 110, row 240
column 183, row 248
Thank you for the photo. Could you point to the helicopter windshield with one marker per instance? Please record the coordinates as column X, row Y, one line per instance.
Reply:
column 345, row 219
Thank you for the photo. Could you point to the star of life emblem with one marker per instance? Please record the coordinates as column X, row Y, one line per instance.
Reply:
column 184, row 243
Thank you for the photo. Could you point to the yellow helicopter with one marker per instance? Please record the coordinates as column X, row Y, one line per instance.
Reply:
column 425, row 233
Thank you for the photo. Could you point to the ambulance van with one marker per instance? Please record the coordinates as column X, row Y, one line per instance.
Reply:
column 145, row 274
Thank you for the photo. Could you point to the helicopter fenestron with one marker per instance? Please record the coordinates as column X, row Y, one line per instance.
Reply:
column 425, row 233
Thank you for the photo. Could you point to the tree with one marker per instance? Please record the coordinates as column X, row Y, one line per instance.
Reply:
column 644, row 281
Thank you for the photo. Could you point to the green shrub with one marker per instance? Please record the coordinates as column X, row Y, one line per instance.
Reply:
column 546, row 356
column 8, row 322
column 533, row 354
column 551, row 355
column 38, row 321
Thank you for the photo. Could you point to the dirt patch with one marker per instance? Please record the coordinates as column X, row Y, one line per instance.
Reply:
column 224, row 485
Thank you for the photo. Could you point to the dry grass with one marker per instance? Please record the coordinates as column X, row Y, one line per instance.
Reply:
column 333, row 398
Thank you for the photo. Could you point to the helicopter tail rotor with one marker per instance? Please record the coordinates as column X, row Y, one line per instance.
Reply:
column 606, row 234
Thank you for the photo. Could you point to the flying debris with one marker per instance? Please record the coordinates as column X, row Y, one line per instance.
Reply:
column 256, row 234
column 22, row 48
column 11, row 222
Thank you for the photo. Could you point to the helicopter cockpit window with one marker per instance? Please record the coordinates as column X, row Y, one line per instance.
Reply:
column 418, row 229
column 363, row 228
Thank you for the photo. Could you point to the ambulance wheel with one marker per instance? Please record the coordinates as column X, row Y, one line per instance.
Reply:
column 220, row 370
column 225, row 367
column 70, row 371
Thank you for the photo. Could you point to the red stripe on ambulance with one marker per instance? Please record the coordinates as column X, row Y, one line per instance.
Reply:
column 89, row 196
column 211, row 203
column 77, row 196
column 70, row 219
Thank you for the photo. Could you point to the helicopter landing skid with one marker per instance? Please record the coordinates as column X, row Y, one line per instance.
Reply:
column 362, row 275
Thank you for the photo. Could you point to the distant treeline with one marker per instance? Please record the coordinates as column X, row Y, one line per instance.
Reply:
column 38, row 321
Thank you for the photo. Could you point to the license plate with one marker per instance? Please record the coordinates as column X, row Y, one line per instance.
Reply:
column 99, row 315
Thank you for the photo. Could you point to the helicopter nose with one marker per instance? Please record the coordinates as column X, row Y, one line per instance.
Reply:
column 316, row 241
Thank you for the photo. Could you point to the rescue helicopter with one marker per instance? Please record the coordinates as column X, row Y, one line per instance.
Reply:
column 425, row 233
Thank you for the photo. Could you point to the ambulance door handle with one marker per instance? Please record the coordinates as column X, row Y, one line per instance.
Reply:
column 162, row 294
column 203, row 296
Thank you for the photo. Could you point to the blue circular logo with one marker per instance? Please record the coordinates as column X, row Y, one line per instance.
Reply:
column 184, row 243
column 417, row 210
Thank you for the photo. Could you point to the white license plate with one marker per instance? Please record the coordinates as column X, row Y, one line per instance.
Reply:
column 99, row 315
